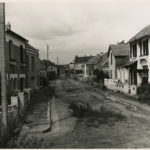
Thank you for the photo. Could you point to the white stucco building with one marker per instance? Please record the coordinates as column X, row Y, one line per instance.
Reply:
column 80, row 66
column 118, row 56
column 139, row 63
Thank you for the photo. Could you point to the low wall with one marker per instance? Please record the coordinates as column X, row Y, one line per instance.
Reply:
column 18, row 105
column 133, row 90
column 116, row 85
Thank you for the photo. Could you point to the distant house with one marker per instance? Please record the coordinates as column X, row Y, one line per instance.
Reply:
column 99, row 62
column 42, row 72
column 15, row 61
column 104, row 63
column 80, row 67
column 51, row 67
column 62, row 69
column 117, row 56
column 32, row 66
column 71, row 69
column 139, row 64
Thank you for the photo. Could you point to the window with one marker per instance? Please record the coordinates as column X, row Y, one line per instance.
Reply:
column 32, row 63
column 130, row 51
column 134, row 76
column 140, row 44
column 21, row 54
column 27, row 62
column 10, row 49
column 110, row 74
column 52, row 68
column 111, row 58
column 15, row 83
column 21, row 84
column 134, row 54
column 145, row 47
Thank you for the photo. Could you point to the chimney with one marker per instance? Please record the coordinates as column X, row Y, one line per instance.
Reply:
column 121, row 42
column 76, row 56
column 8, row 26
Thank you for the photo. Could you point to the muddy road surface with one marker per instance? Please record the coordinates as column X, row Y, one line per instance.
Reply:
column 69, row 131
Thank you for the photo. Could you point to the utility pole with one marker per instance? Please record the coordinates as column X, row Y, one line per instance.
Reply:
column 47, row 52
column 57, row 60
column 2, row 66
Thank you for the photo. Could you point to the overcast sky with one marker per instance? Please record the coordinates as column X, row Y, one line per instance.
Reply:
column 77, row 27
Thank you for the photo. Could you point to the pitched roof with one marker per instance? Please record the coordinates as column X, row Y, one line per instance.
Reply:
column 28, row 46
column 104, row 58
column 105, row 64
column 144, row 32
column 83, row 59
column 16, row 35
column 48, row 62
column 94, row 60
column 129, row 63
column 119, row 49
column 120, row 61
column 99, row 58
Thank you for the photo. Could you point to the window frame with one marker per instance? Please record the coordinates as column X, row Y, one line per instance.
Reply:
column 134, row 50
column 111, row 58
column 10, row 49
column 145, row 47
column 32, row 63
column 21, row 54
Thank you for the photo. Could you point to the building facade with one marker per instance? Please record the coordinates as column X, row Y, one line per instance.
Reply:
column 80, row 66
column 42, row 72
column 117, row 56
column 32, row 67
column 139, row 63
column 15, row 61
column 51, row 67
column 99, row 62
column 71, row 69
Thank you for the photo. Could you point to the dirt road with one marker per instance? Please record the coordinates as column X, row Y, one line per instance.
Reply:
column 71, row 132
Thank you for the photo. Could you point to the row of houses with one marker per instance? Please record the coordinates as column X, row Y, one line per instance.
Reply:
column 23, row 65
column 84, row 67
column 127, row 64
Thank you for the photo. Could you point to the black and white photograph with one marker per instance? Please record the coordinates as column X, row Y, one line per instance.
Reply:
column 74, row 74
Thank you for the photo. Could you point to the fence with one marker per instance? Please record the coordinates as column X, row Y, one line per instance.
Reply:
column 19, row 104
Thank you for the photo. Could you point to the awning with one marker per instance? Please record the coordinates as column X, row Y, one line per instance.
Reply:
column 129, row 63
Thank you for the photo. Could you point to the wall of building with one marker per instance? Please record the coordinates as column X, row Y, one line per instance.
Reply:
column 52, row 69
column 148, row 59
column 33, row 71
column 79, row 68
column 142, row 61
column 112, row 67
column 15, row 69
column 122, row 74
column 116, row 85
